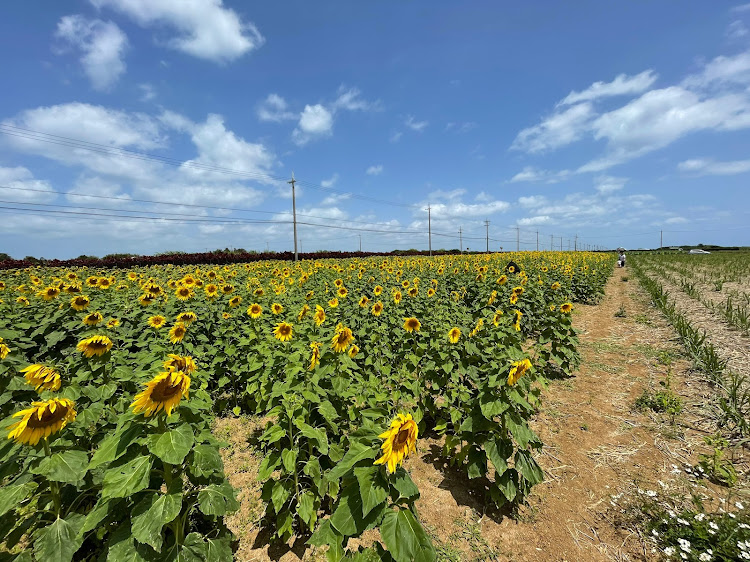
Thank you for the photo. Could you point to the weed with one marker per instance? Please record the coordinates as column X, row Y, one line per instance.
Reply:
column 735, row 403
column 620, row 312
column 718, row 469
column 660, row 401
column 625, row 278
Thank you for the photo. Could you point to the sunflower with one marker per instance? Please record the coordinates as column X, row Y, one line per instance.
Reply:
column 4, row 351
column 283, row 331
column 164, row 391
column 235, row 301
column 454, row 334
column 405, row 284
column 183, row 293
column 517, row 370
column 23, row 300
column 552, row 308
column 73, row 289
column 94, row 345
column 302, row 313
column 518, row 291
column 40, row 376
column 342, row 292
column 413, row 291
column 320, row 315
column 502, row 280
column 177, row 332
column 226, row 315
column 42, row 420
column 227, row 289
column 493, row 296
column 412, row 324
column 255, row 310
column 258, row 292
column 517, row 320
column 353, row 350
column 315, row 357
column 211, row 290
column 187, row 317
column 338, row 282
column 555, row 286
column 400, row 440
column 132, row 276
column 513, row 299
column 145, row 300
column 377, row 290
column 333, row 303
column 92, row 281
column 180, row 363
column 397, row 296
column 496, row 318
column 476, row 329
column 363, row 302
column 156, row 321
column 342, row 339
column 80, row 302
column 377, row 308
column 93, row 318
column 309, row 295
column 49, row 293
column 566, row 308
column 113, row 323
column 103, row 283
column 276, row 308
column 430, row 292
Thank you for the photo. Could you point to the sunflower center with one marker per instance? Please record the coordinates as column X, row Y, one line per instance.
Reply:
column 48, row 418
column 164, row 390
column 402, row 437
column 285, row 330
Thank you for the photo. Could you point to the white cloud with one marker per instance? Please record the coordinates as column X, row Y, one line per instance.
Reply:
column 722, row 71
column 462, row 127
column 275, row 108
column 621, row 85
column 374, row 170
column 350, row 100
column 535, row 221
column 206, row 29
column 149, row 92
column 736, row 30
column 103, row 45
column 95, row 185
column 330, row 182
column 559, row 129
column 415, row 125
column 740, row 8
column 315, row 121
column 395, row 137
column 676, row 220
column 21, row 180
column 532, row 201
column 531, row 174
column 335, row 199
column 609, row 184
column 706, row 166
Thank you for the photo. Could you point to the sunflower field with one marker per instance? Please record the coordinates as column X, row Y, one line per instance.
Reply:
column 110, row 380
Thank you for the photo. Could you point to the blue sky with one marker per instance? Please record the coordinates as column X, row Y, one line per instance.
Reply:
column 153, row 125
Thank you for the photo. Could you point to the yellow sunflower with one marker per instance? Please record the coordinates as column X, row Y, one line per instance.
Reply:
column 302, row 313
column 255, row 310
column 397, row 296
column 180, row 363
column 235, row 301
column 333, row 303
column 187, row 318
column 342, row 339
column 430, row 292
column 40, row 376
column 517, row 320
column 4, row 351
column 93, row 318
column 258, row 292
column 283, row 331
column 513, row 299
column 399, row 441
column 377, row 290
column 80, row 302
column 353, row 350
column 103, row 283
column 113, row 323
column 320, row 315
column 145, row 300
column 454, row 334
column 502, row 280
column 163, row 392
column 49, row 293
column 156, row 321
column 412, row 324
column 315, row 357
column 566, row 308
column 42, row 420
column 183, row 293
column 377, row 308
column 555, row 286
column 23, row 300
column 342, row 292
column 276, row 308
column 475, row 331
column 211, row 290
column 95, row 345
column 363, row 302
column 517, row 371
column 413, row 292
column 177, row 332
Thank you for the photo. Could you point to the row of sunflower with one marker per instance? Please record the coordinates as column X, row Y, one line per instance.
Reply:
column 332, row 352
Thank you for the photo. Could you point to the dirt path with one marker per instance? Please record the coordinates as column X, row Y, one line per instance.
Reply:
column 596, row 447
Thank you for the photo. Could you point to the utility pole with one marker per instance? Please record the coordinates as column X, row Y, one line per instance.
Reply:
column 575, row 244
column 294, row 216
column 360, row 242
column 537, row 240
column 429, row 229
column 460, row 240
column 518, row 239
column 487, row 228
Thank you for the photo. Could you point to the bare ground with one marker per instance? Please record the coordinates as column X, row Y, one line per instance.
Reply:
column 598, row 451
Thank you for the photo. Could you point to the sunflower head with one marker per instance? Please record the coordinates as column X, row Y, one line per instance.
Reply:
column 283, row 331
column 93, row 318
column 95, row 345
column 399, row 441
column 80, row 302
column 377, row 308
column 315, row 356
column 156, row 321
column 397, row 296
column 187, row 318
column 235, row 301
column 342, row 292
column 42, row 377
column 113, row 323
column 363, row 302
column 163, row 392
column 342, row 339
column 517, row 370
column 555, row 286
column 333, row 303
column 377, row 290
column 177, row 332
column 566, row 308
column 454, row 334
column 4, row 351
column 42, row 420
column 255, row 310
column 276, row 308
column 353, row 350
column 180, row 363
column 412, row 324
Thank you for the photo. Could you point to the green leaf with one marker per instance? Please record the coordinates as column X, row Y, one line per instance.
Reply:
column 100, row 512
column 172, row 446
column 269, row 463
column 499, row 450
column 280, row 493
column 127, row 479
column 289, row 458
column 68, row 466
column 219, row 550
column 520, row 430
column 325, row 534
column 306, row 509
column 528, row 468
column 372, row 489
column 477, row 466
column 151, row 514
column 273, row 434
column 405, row 537
column 316, row 435
column 507, row 482
column 12, row 496
column 330, row 414
column 193, row 549
column 206, row 461
column 406, row 488
column 347, row 518
column 492, row 405
column 357, row 452
column 58, row 541
column 217, row 499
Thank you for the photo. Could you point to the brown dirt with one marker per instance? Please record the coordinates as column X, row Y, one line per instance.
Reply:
column 596, row 447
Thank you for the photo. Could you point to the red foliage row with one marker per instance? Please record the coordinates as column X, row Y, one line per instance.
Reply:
column 214, row 258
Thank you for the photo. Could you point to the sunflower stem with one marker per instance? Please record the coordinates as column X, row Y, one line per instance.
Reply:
column 53, row 486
